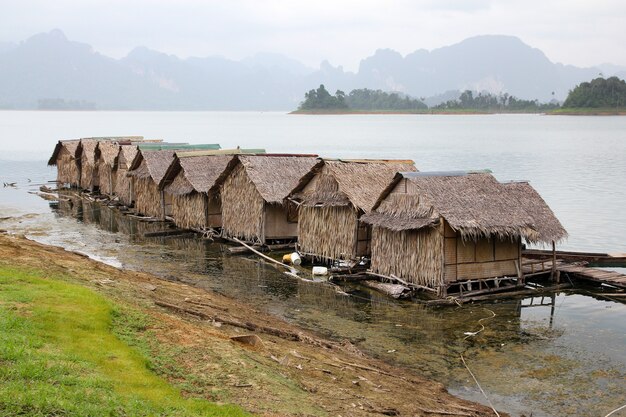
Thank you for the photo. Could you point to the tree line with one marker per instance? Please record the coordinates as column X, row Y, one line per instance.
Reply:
column 598, row 93
column 360, row 99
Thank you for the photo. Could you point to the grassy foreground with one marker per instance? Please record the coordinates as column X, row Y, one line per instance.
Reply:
column 60, row 356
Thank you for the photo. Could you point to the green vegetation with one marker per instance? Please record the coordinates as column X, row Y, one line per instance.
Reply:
column 378, row 101
column 366, row 99
column 59, row 355
column 358, row 100
column 322, row 99
column 600, row 93
column 490, row 103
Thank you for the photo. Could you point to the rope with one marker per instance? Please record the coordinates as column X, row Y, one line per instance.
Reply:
column 472, row 334
column 616, row 410
column 479, row 387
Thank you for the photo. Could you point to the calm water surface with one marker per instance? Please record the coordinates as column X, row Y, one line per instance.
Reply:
column 560, row 355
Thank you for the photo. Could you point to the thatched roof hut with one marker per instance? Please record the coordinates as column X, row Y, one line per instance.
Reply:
column 86, row 157
column 332, row 197
column 191, row 181
column 146, row 171
column 64, row 158
column 125, row 157
column 253, row 189
column 439, row 229
column 106, row 153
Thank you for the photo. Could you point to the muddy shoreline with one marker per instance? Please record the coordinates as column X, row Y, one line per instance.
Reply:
column 326, row 377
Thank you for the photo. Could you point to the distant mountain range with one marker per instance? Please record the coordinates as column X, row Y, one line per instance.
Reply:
column 49, row 68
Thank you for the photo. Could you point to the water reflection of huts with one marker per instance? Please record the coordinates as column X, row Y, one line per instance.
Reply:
column 446, row 230
column 337, row 193
column 253, row 189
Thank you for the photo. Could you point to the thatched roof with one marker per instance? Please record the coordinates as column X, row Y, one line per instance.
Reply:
column 544, row 220
column 86, row 151
column 108, row 151
column 69, row 145
column 474, row 204
column 194, row 173
column 358, row 182
column 128, row 153
column 234, row 151
column 273, row 175
column 398, row 223
column 151, row 164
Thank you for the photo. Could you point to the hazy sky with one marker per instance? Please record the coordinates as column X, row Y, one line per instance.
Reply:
column 579, row 32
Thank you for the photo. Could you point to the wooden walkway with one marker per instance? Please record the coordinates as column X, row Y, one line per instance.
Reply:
column 601, row 276
column 580, row 270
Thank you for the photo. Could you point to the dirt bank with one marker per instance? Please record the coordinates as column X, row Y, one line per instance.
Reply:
column 290, row 372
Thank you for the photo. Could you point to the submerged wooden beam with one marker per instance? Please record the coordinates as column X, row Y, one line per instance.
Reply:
column 174, row 232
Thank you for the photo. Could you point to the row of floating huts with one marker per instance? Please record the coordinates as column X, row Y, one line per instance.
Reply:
column 446, row 232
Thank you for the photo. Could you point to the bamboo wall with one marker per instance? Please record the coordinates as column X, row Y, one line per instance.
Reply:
column 190, row 210
column 107, row 178
column 242, row 207
column 277, row 225
column 147, row 197
column 413, row 255
column 88, row 174
column 67, row 169
column 329, row 232
column 122, row 185
column 484, row 258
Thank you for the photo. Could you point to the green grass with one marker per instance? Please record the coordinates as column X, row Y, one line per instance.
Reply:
column 60, row 357
column 589, row 111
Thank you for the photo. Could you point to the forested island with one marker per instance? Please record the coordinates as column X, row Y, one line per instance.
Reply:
column 599, row 96
column 360, row 100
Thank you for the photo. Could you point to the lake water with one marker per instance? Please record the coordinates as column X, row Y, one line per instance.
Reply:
column 561, row 355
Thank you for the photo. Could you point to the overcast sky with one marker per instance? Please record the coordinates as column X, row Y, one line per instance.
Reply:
column 578, row 32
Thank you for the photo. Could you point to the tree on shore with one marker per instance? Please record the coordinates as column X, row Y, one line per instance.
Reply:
column 359, row 99
column 598, row 93
column 366, row 99
column 490, row 103
column 322, row 99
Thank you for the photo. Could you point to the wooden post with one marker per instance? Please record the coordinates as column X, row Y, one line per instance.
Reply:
column 206, row 209
column 554, row 275
column 162, row 205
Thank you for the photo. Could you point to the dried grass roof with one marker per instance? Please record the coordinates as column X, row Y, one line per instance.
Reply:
column 273, row 175
column 474, row 204
column 108, row 151
column 69, row 145
column 360, row 182
column 86, row 151
column 544, row 221
column 194, row 173
column 151, row 164
column 127, row 153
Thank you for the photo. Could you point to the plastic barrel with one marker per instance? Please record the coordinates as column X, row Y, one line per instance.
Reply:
column 295, row 258
column 320, row 270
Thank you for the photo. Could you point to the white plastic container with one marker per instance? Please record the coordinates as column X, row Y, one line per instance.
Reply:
column 295, row 259
column 320, row 270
